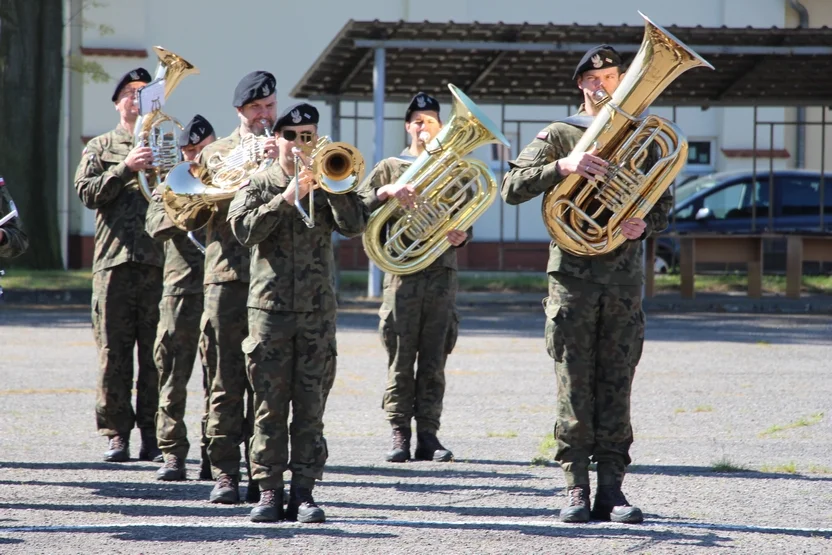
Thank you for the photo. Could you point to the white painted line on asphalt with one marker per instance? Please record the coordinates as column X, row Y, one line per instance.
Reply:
column 472, row 524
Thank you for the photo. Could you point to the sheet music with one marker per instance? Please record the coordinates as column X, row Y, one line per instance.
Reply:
column 151, row 97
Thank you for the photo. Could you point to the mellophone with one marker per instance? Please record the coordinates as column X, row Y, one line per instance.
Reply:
column 453, row 190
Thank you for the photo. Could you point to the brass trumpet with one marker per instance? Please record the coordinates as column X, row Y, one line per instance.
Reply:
column 338, row 168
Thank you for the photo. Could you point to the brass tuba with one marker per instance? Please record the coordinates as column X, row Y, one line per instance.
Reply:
column 191, row 197
column 337, row 167
column 158, row 130
column 451, row 193
column 583, row 217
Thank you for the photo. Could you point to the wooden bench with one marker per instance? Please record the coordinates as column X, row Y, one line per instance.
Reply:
column 800, row 249
column 738, row 249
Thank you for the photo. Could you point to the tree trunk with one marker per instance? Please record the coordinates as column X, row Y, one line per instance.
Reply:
column 31, row 77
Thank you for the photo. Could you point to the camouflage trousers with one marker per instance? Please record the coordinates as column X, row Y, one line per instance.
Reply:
column 595, row 334
column 418, row 327
column 224, row 327
column 125, row 312
column 177, row 340
column 289, row 356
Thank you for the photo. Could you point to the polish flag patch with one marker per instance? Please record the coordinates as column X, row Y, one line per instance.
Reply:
column 2, row 182
column 542, row 135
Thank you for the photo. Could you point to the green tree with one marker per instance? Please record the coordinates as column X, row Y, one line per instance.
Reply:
column 31, row 76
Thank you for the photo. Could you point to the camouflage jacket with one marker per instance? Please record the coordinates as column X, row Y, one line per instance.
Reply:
column 534, row 173
column 184, row 262
column 292, row 266
column 388, row 171
column 15, row 241
column 225, row 258
column 106, row 185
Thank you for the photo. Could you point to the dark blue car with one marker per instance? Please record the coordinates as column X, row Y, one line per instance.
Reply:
column 740, row 202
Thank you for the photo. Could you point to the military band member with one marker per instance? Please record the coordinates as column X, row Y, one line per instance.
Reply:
column 418, row 318
column 224, row 321
column 13, row 240
column 292, row 310
column 127, row 278
column 594, row 319
column 180, row 312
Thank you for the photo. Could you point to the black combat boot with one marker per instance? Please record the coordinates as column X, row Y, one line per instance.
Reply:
column 610, row 504
column 302, row 507
column 118, row 449
column 205, row 469
column 428, row 448
column 253, row 491
column 401, row 445
column 577, row 505
column 226, row 490
column 270, row 507
column 149, row 451
column 173, row 470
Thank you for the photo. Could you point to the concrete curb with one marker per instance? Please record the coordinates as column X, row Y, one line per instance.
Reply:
column 468, row 301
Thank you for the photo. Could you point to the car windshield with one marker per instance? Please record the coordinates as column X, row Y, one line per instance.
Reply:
column 690, row 188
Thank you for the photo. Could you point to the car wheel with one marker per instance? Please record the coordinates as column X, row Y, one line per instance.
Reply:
column 661, row 265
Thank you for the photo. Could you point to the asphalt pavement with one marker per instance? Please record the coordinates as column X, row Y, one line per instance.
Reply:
column 730, row 414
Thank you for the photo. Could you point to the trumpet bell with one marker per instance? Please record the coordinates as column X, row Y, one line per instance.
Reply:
column 338, row 167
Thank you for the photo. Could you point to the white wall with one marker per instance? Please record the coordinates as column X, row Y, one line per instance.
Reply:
column 226, row 41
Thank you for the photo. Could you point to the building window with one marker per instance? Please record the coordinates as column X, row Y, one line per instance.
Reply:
column 700, row 153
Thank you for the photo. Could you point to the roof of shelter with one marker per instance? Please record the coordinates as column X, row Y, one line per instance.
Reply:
column 533, row 63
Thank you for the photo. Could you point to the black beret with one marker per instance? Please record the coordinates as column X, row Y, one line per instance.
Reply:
column 599, row 57
column 421, row 102
column 138, row 74
column 254, row 86
column 197, row 130
column 299, row 114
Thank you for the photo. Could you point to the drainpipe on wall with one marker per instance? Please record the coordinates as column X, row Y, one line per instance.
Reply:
column 800, row 155
column 65, row 159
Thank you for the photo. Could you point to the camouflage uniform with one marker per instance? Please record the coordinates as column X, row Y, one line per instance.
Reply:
column 292, row 311
column 224, row 326
column 15, row 241
column 127, row 285
column 177, row 337
column 418, row 324
column 594, row 323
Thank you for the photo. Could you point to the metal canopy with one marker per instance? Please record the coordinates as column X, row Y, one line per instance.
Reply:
column 533, row 63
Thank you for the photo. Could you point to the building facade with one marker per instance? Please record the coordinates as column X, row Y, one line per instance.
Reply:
column 226, row 40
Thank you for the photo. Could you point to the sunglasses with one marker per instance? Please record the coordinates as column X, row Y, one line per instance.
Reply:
column 303, row 136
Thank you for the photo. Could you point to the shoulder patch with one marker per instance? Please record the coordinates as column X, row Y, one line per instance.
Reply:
column 2, row 182
column 529, row 153
column 542, row 135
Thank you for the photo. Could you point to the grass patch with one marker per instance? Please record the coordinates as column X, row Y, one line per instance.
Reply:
column 800, row 423
column 704, row 408
column 817, row 469
column 790, row 468
column 503, row 435
column 497, row 282
column 679, row 411
column 725, row 465
column 738, row 283
column 545, row 451
column 50, row 280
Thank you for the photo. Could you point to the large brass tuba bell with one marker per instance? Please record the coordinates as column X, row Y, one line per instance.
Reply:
column 158, row 130
column 337, row 167
column 451, row 193
column 584, row 217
